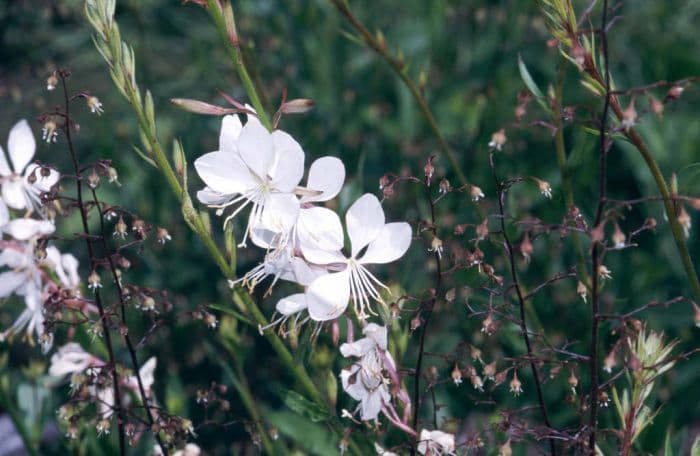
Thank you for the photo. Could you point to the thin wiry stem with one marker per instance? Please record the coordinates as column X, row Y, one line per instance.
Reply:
column 104, row 320
column 521, row 302
column 424, row 326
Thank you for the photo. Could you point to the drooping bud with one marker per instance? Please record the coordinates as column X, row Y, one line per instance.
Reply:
column 618, row 237
column 490, row 370
column 696, row 308
column 94, row 281
column 445, row 186
column 526, row 247
column 50, row 131
column 475, row 193
column 113, row 176
column 482, row 230
column 457, row 375
column 436, row 246
column 573, row 381
column 95, row 105
column 93, row 179
column 51, row 81
column 609, row 362
column 629, row 116
column 163, row 236
column 120, row 228
column 498, row 139
column 684, row 220
column 544, row 187
column 429, row 169
column 656, row 106
column 505, row 449
column 515, row 386
column 675, row 92
column 581, row 290
column 604, row 272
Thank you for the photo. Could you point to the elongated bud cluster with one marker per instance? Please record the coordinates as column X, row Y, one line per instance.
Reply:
column 297, row 106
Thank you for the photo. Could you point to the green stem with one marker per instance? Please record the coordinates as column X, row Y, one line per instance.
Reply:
column 234, row 51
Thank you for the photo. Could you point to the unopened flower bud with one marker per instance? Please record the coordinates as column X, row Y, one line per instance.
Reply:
column 436, row 246
column 457, row 375
column 50, row 131
column 274, row 433
column 51, row 81
column 416, row 322
column 477, row 383
column 475, row 193
column 113, row 176
column 650, row 223
column 211, row 321
column 490, row 370
column 429, row 170
column 629, row 116
column 498, row 139
column 581, row 290
column 163, row 235
column 544, row 187
column 94, row 281
column 120, row 229
column 445, row 186
column 656, row 106
column 451, row 295
column 297, row 106
column 488, row 326
column 200, row 107
column 148, row 304
column 95, row 105
column 604, row 272
column 696, row 309
column 93, row 179
column 618, row 237
column 102, row 427
column 573, row 381
column 609, row 362
column 515, row 386
column 675, row 92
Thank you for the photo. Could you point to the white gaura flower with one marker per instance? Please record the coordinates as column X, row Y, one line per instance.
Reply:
column 65, row 266
column 365, row 381
column 70, row 359
column 147, row 374
column 381, row 242
column 257, row 168
column 23, row 182
column 436, row 443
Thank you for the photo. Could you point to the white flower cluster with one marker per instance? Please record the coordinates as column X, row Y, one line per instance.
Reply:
column 303, row 241
column 26, row 270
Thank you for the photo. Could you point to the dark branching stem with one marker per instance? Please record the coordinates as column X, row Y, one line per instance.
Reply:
column 424, row 326
column 93, row 264
column 127, row 339
column 521, row 301
column 596, row 249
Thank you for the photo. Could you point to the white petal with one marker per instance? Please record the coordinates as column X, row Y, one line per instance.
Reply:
column 21, row 145
column 371, row 405
column 280, row 213
column 14, row 195
column 23, row 229
column 4, row 166
column 147, row 373
column 364, row 220
column 376, row 333
column 328, row 296
column 10, row 281
column 211, row 198
column 327, row 175
column 13, row 258
column 256, row 149
column 390, row 245
column 356, row 390
column 231, row 127
column 358, row 348
column 4, row 214
column 70, row 265
column 43, row 184
column 289, row 162
column 292, row 304
column 224, row 173
column 319, row 228
column 302, row 272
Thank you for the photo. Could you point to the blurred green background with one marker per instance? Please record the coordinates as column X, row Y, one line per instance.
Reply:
column 469, row 51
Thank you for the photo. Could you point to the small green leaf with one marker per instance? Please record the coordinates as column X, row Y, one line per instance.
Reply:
column 530, row 83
